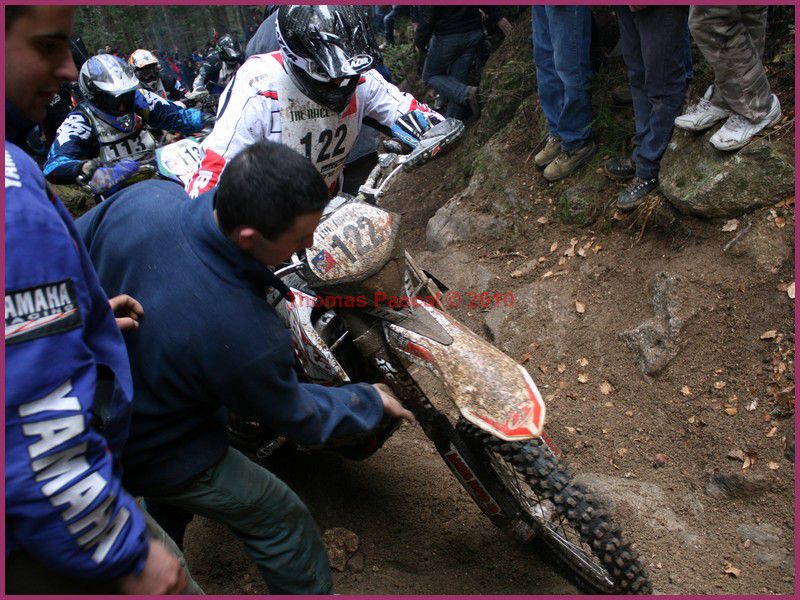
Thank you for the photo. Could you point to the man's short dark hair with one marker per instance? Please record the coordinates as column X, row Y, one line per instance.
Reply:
column 15, row 12
column 267, row 186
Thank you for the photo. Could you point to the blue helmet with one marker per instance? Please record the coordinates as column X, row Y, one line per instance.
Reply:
column 109, row 86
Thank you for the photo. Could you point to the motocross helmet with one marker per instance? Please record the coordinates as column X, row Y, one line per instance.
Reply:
column 109, row 87
column 229, row 50
column 146, row 67
column 325, row 50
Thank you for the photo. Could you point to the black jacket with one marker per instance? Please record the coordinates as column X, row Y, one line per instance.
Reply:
column 444, row 20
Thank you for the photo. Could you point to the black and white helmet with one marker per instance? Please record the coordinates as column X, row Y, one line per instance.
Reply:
column 229, row 50
column 109, row 86
column 326, row 48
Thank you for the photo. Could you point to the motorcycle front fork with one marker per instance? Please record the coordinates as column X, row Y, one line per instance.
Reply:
column 463, row 459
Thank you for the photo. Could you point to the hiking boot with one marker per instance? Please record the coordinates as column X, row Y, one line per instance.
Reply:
column 635, row 193
column 622, row 95
column 472, row 101
column 703, row 115
column 546, row 155
column 739, row 131
column 567, row 163
column 620, row 168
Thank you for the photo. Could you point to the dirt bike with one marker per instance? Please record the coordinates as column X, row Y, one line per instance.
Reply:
column 482, row 410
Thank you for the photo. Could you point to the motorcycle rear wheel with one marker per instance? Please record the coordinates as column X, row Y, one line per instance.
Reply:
column 566, row 517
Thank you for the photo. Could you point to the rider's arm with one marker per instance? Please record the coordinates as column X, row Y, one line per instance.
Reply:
column 242, row 121
column 386, row 103
column 163, row 114
column 64, row 499
column 266, row 389
column 205, row 74
column 73, row 145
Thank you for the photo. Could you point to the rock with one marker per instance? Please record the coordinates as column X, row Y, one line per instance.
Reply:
column 656, row 341
column 736, row 485
column 699, row 180
column 582, row 203
column 761, row 535
column 340, row 543
column 356, row 563
column 660, row 460
column 337, row 557
column 456, row 222
column 776, row 558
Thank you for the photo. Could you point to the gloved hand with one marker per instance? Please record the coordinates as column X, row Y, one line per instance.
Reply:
column 411, row 126
column 207, row 121
column 107, row 180
column 198, row 93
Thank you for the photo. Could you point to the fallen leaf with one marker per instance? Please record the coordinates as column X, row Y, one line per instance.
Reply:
column 619, row 216
column 737, row 454
column 562, row 261
column 629, row 413
column 553, row 246
column 780, row 222
column 525, row 358
column 583, row 378
column 622, row 451
column 660, row 460
column 542, row 220
column 561, row 367
column 768, row 335
column 541, row 259
column 543, row 369
column 686, row 391
column 516, row 274
column 597, row 248
column 692, row 419
column 606, row 388
column 731, row 225
column 608, row 405
column 731, row 570
column 752, row 406
column 582, row 252
column 731, row 411
column 790, row 290
column 718, row 385
column 583, row 361
column 580, row 307
column 570, row 429
column 772, row 432
column 750, row 459
column 773, row 466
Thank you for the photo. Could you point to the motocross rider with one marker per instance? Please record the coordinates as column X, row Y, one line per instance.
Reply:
column 312, row 95
column 148, row 71
column 100, row 141
column 218, row 67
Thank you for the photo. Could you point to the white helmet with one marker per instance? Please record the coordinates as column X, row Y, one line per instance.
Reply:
column 109, row 86
column 146, row 67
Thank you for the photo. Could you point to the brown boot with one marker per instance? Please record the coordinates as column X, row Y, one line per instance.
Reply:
column 567, row 163
column 546, row 155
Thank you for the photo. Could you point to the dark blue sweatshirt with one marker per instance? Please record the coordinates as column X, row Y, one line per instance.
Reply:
column 208, row 340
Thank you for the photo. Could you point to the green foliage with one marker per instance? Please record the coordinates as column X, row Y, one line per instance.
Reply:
column 401, row 60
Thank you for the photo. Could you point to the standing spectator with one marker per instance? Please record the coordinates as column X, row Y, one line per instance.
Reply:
column 654, row 47
column 454, row 33
column 70, row 526
column 731, row 39
column 561, row 40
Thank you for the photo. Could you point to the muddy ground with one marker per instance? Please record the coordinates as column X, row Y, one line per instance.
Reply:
column 715, row 516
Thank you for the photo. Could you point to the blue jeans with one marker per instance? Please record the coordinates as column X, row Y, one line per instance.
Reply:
column 447, row 66
column 388, row 20
column 561, row 39
column 274, row 525
column 654, row 47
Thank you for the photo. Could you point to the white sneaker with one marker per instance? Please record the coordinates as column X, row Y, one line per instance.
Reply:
column 738, row 131
column 703, row 115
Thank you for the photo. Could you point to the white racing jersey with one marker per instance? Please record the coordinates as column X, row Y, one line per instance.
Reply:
column 263, row 103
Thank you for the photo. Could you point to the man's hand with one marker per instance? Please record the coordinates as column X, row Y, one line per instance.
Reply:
column 392, row 406
column 127, row 311
column 162, row 574
column 504, row 26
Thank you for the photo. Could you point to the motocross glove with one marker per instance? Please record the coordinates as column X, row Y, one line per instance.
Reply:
column 207, row 121
column 107, row 180
column 411, row 126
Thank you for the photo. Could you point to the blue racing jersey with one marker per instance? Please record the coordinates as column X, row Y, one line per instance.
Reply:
column 68, row 394
column 77, row 139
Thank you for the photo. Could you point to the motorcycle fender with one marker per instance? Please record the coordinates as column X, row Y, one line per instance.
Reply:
column 319, row 363
column 489, row 388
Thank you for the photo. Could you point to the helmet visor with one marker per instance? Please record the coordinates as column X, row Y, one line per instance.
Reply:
column 149, row 73
column 116, row 106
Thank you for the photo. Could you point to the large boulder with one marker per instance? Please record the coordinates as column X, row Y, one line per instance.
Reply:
column 700, row 180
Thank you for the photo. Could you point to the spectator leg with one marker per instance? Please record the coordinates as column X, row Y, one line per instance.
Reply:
column 730, row 48
column 172, row 519
column 570, row 32
column 549, row 87
column 274, row 525
column 447, row 66
column 388, row 25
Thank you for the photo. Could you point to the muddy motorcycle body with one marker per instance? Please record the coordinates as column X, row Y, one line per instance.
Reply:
column 362, row 310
